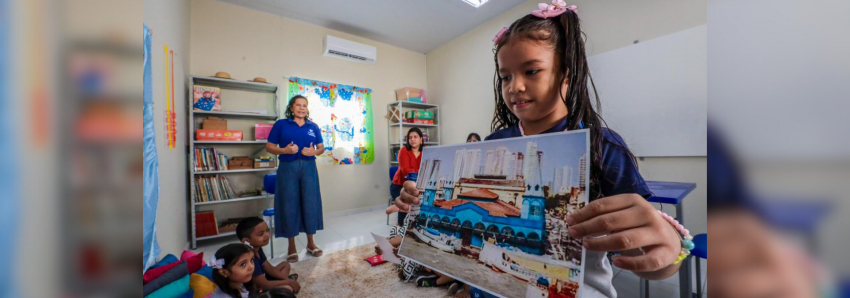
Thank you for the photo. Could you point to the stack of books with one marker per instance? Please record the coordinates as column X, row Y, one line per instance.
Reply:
column 208, row 159
column 216, row 188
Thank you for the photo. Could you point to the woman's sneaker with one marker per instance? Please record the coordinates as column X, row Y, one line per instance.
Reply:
column 426, row 281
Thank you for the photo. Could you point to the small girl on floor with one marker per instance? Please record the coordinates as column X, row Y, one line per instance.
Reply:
column 233, row 270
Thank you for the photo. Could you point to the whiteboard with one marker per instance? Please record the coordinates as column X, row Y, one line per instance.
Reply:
column 654, row 93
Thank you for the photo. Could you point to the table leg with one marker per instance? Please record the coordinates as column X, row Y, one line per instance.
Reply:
column 644, row 288
column 685, row 269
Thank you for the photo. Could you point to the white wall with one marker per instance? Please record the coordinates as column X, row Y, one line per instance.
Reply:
column 460, row 75
column 169, row 22
column 248, row 43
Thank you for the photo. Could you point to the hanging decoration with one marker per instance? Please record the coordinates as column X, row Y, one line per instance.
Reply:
column 170, row 125
column 172, row 116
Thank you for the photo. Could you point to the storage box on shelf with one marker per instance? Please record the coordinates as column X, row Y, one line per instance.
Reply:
column 411, row 95
column 216, row 135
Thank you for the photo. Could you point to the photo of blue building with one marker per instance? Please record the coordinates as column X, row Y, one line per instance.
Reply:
column 504, row 206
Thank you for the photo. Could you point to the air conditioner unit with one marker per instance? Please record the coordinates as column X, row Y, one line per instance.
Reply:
column 348, row 50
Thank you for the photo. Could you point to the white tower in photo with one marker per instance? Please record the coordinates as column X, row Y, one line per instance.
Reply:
column 582, row 172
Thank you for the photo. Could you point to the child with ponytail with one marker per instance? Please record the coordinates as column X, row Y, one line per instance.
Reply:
column 542, row 84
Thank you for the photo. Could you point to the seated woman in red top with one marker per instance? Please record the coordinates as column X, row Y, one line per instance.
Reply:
column 408, row 162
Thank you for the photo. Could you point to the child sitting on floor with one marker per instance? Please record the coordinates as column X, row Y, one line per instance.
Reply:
column 409, row 270
column 254, row 232
column 232, row 271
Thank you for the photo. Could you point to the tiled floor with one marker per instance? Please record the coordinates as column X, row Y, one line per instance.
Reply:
column 353, row 230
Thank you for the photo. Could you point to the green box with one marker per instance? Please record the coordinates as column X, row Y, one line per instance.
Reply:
column 419, row 114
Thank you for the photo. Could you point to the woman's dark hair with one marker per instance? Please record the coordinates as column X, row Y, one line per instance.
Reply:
column 230, row 253
column 276, row 293
column 563, row 33
column 469, row 137
column 289, row 114
column 407, row 136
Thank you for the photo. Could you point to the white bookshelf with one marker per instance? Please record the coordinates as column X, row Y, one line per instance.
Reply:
column 255, row 146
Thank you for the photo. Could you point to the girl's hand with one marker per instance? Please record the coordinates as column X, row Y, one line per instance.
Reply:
column 395, row 252
column 308, row 151
column 378, row 250
column 291, row 148
column 409, row 195
column 629, row 223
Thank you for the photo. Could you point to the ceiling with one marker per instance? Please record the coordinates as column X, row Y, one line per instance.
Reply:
column 417, row 25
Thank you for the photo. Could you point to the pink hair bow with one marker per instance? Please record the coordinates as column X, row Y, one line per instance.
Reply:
column 552, row 10
column 498, row 37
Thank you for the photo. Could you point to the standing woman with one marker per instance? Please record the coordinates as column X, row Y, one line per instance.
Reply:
column 409, row 158
column 298, row 201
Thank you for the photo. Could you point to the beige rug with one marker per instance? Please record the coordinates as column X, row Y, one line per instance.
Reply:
column 345, row 274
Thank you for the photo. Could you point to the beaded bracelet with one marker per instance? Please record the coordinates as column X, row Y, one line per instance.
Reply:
column 687, row 239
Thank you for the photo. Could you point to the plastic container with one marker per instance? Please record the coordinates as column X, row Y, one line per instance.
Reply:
column 410, row 94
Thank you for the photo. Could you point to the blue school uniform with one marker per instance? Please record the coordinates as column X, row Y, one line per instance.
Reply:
column 285, row 131
column 298, row 200
column 620, row 176
column 258, row 263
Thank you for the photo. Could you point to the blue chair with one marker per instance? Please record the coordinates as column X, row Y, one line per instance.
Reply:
column 269, row 182
column 393, row 169
column 700, row 251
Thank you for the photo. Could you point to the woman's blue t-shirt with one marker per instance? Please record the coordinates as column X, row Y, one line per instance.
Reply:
column 285, row 131
column 621, row 174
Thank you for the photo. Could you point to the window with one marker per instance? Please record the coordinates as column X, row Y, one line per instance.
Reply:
column 536, row 209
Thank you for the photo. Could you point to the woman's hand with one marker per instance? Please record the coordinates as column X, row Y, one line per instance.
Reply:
column 308, row 151
column 629, row 224
column 409, row 195
column 291, row 148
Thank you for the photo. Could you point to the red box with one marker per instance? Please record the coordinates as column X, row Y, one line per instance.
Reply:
column 421, row 121
column 262, row 130
column 218, row 135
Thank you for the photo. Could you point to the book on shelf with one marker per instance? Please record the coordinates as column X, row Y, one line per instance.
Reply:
column 216, row 188
column 205, row 224
column 229, row 225
column 209, row 159
column 206, row 98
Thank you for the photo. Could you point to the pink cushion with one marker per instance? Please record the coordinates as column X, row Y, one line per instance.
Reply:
column 156, row 272
column 195, row 261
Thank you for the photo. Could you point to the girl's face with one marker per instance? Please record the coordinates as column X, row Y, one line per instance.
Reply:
column 528, row 70
column 472, row 139
column 414, row 140
column 242, row 269
column 299, row 108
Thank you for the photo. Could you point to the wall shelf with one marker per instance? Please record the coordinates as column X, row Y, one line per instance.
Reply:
column 232, row 200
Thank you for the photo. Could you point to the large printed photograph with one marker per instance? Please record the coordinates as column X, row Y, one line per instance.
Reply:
column 493, row 214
